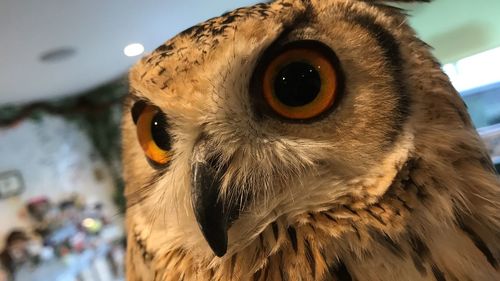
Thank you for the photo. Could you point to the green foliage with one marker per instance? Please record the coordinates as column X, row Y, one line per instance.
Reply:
column 97, row 113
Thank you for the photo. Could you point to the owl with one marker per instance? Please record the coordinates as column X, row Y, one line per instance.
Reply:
column 304, row 140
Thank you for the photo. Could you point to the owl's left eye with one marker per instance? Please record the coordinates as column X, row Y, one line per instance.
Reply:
column 152, row 133
column 301, row 81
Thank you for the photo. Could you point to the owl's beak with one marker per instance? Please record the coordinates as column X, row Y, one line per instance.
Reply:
column 212, row 214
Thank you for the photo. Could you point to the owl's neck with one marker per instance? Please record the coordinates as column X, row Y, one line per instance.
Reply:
column 417, row 229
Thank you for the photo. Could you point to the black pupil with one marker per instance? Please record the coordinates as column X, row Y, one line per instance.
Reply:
column 297, row 84
column 159, row 128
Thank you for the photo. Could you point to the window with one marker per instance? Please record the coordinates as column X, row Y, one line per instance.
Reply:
column 477, row 78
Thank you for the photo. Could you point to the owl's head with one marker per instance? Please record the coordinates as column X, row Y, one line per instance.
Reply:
column 276, row 110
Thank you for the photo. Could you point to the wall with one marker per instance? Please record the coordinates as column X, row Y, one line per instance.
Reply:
column 457, row 28
column 55, row 159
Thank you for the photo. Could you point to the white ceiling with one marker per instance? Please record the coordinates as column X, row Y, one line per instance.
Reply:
column 98, row 30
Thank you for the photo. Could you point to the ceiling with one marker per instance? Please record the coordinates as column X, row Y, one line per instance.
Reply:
column 93, row 33
column 97, row 30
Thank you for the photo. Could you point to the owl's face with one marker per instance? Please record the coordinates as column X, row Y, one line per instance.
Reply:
column 273, row 111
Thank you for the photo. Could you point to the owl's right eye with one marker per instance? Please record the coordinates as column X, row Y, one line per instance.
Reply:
column 152, row 125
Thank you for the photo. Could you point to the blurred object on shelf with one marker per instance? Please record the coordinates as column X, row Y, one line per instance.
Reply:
column 91, row 264
column 3, row 275
column 72, row 240
column 38, row 207
column 15, row 252
column 491, row 137
column 11, row 184
column 484, row 104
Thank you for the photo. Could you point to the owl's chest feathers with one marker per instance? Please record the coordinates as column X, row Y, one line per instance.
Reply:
column 408, row 232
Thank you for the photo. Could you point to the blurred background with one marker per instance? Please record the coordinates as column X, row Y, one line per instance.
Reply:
column 63, row 71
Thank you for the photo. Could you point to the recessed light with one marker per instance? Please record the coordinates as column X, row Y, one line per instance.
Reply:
column 133, row 49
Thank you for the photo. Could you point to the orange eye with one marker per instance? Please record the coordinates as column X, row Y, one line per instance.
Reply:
column 152, row 133
column 301, row 82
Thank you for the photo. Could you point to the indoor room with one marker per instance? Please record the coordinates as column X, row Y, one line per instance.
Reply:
column 267, row 141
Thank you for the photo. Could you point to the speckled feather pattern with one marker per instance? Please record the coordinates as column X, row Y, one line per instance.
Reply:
column 394, row 184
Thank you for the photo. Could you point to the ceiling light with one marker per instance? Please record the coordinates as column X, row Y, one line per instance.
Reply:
column 133, row 50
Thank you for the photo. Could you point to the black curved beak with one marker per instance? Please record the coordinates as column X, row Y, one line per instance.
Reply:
column 208, row 209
